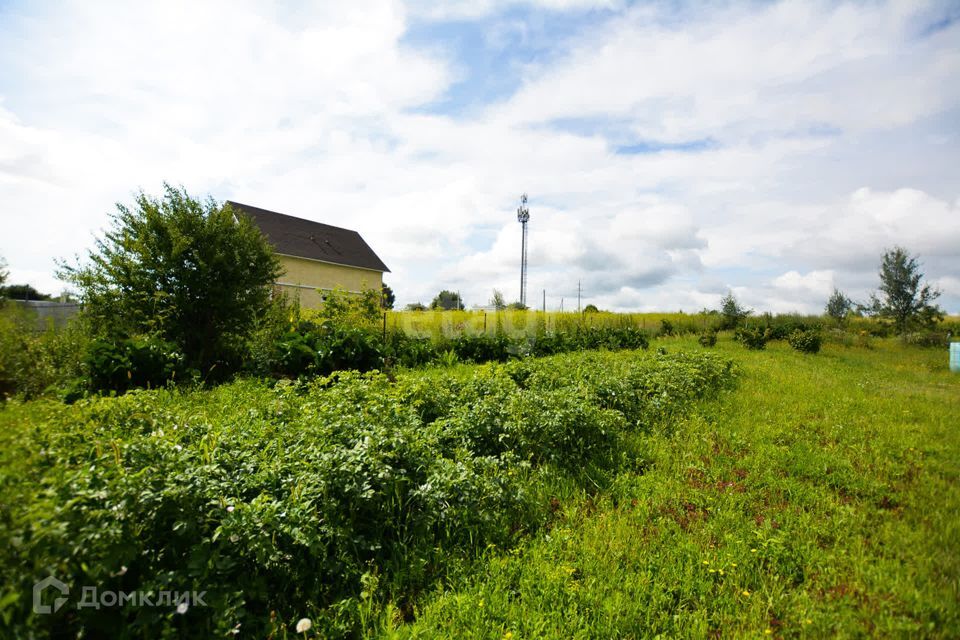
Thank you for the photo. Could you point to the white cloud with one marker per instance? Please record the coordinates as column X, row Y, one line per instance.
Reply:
column 831, row 129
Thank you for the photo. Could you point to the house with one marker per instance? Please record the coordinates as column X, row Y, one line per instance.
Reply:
column 316, row 257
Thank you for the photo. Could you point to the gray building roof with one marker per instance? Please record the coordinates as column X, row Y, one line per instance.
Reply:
column 312, row 240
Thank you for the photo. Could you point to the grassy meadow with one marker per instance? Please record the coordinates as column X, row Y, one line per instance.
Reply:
column 819, row 498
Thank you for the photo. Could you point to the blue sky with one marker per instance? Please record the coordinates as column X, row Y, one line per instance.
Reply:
column 671, row 152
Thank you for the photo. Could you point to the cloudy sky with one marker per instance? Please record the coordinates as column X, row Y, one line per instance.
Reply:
column 671, row 152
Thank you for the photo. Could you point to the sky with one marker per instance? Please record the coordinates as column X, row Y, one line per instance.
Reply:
column 672, row 152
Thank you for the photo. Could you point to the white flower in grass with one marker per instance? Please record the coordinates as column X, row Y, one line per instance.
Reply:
column 304, row 625
column 230, row 509
column 182, row 607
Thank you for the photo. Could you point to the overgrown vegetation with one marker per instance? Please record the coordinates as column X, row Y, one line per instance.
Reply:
column 819, row 499
column 183, row 271
column 326, row 500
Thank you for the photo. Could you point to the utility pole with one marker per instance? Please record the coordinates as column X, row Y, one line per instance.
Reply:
column 544, row 300
column 523, row 217
column 578, row 296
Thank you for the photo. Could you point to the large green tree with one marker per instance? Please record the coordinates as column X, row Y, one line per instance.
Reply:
column 190, row 271
column 903, row 298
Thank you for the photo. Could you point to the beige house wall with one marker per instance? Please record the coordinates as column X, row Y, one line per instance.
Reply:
column 302, row 278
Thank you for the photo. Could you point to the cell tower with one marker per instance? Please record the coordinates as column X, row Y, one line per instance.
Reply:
column 523, row 216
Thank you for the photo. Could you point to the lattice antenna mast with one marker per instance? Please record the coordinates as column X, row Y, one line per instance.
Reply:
column 523, row 216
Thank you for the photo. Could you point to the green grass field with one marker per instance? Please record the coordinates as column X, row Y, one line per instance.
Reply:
column 820, row 498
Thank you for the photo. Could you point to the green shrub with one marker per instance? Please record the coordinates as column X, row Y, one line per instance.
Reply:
column 755, row 337
column 806, row 341
column 666, row 327
column 708, row 339
column 34, row 362
column 481, row 348
column 131, row 363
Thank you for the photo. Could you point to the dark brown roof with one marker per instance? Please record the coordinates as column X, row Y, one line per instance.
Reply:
column 314, row 240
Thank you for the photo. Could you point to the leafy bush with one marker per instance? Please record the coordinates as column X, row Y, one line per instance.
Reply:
column 310, row 349
column 708, row 339
column 666, row 327
column 187, row 270
column 755, row 337
column 306, row 499
column 481, row 348
column 131, row 363
column 806, row 341
column 407, row 351
column 782, row 327
column 34, row 362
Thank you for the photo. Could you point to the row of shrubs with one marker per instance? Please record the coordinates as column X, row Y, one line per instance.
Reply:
column 310, row 498
column 805, row 340
column 310, row 349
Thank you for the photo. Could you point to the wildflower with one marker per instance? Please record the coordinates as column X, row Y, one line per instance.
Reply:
column 746, row 593
column 753, row 550
column 706, row 562
column 767, row 631
column 481, row 603
column 304, row 625
column 182, row 608
column 508, row 635
column 807, row 621
column 230, row 509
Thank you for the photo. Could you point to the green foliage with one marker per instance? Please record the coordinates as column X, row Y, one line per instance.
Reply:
column 733, row 314
column 808, row 341
column 319, row 500
column 416, row 306
column 591, row 308
column 928, row 339
column 903, row 300
column 132, row 363
column 754, row 337
column 447, row 300
column 666, row 327
column 782, row 326
column 363, row 309
column 497, row 301
column 34, row 362
column 185, row 270
column 517, row 306
column 21, row 292
column 839, row 307
column 388, row 298
column 481, row 348
column 3, row 273
column 817, row 500
column 707, row 339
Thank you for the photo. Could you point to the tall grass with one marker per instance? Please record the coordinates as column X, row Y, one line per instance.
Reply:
column 434, row 324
